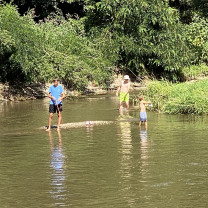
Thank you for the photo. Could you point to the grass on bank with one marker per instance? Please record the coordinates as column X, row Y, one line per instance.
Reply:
column 182, row 98
column 195, row 71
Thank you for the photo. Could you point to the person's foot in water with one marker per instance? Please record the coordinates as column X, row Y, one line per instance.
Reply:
column 48, row 129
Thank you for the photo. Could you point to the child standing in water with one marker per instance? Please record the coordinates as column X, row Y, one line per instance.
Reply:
column 143, row 114
column 123, row 89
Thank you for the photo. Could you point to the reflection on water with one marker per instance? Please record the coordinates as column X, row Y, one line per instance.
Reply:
column 57, row 164
column 113, row 166
column 144, row 151
column 89, row 129
column 126, row 140
column 126, row 163
column 143, row 135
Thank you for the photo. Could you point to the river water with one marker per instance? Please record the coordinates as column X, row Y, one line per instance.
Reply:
column 116, row 165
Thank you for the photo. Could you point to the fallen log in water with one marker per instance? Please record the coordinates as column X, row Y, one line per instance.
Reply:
column 93, row 123
column 80, row 124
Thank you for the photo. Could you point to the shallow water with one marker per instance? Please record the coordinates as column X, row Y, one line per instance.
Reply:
column 116, row 165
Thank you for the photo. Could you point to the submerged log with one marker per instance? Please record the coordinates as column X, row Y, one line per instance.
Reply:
column 80, row 124
column 93, row 123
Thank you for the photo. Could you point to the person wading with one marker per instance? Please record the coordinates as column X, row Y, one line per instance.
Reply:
column 56, row 94
column 124, row 92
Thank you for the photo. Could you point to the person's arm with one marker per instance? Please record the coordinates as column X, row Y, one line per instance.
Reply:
column 63, row 95
column 118, row 90
column 51, row 97
column 147, row 102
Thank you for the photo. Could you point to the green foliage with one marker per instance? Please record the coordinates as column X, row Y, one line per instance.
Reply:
column 43, row 8
column 188, row 8
column 197, row 37
column 183, row 98
column 56, row 47
column 7, row 47
column 148, row 34
column 164, row 39
column 195, row 71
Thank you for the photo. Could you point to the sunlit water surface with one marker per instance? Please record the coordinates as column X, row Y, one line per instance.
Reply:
column 116, row 165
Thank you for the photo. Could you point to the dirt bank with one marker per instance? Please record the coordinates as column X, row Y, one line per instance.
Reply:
column 21, row 92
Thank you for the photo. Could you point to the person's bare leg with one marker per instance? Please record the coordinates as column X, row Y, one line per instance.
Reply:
column 140, row 123
column 49, row 122
column 121, row 112
column 60, row 141
column 127, row 105
column 120, row 105
column 59, row 120
column 145, row 125
column 121, row 108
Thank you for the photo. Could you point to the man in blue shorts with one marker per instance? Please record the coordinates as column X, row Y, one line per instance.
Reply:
column 56, row 94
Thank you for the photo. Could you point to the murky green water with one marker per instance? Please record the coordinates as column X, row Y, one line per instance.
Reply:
column 116, row 166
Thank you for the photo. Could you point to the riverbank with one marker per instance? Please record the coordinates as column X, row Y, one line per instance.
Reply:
column 181, row 98
column 164, row 95
column 22, row 92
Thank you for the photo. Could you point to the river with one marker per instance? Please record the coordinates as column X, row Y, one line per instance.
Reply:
column 108, row 166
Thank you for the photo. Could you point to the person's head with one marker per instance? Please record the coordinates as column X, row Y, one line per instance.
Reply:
column 126, row 78
column 55, row 81
column 141, row 98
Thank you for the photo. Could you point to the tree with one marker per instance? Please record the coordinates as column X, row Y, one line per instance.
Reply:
column 149, row 33
column 43, row 8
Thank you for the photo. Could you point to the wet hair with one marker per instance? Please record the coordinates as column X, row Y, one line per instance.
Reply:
column 141, row 98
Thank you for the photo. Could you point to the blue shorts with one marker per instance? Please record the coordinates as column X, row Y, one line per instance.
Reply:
column 143, row 116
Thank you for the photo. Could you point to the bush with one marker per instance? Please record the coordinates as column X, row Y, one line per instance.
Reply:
column 184, row 98
column 195, row 71
column 56, row 47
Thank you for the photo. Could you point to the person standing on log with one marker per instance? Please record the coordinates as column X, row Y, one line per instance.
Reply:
column 56, row 94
